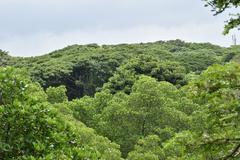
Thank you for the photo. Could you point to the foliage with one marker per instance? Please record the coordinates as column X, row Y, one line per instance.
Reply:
column 217, row 121
column 84, row 69
column 151, row 107
column 162, row 100
column 56, row 94
column 148, row 148
column 214, row 131
column 32, row 128
column 219, row 6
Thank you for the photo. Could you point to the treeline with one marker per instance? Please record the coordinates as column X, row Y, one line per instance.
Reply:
column 83, row 69
column 150, row 101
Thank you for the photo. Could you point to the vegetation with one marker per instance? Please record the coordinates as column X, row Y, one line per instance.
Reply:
column 162, row 100
column 219, row 6
column 32, row 128
column 84, row 69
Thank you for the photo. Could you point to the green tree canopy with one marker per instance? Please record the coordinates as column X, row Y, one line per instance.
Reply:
column 32, row 128
column 57, row 94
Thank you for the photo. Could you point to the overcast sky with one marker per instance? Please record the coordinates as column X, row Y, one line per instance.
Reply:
column 35, row 27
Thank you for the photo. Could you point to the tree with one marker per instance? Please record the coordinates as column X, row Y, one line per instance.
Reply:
column 219, row 6
column 32, row 128
column 214, row 133
column 127, row 74
column 148, row 148
column 217, row 122
column 151, row 108
column 57, row 94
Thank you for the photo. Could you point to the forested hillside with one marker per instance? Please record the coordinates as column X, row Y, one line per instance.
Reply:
column 165, row 100
column 83, row 69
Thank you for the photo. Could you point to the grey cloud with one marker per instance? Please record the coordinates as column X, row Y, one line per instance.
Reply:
column 26, row 21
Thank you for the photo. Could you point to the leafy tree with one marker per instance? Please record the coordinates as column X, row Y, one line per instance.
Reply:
column 127, row 74
column 215, row 128
column 84, row 69
column 182, row 146
column 57, row 94
column 197, row 61
column 4, row 58
column 214, row 131
column 158, row 103
column 217, row 91
column 31, row 128
column 150, row 108
column 148, row 148
column 219, row 6
column 232, row 54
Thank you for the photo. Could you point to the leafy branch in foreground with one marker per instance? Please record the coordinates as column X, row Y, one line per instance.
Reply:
column 220, row 6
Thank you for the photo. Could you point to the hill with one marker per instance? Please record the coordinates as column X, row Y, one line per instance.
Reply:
column 155, row 101
column 83, row 69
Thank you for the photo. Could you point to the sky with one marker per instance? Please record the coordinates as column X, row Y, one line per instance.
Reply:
column 36, row 27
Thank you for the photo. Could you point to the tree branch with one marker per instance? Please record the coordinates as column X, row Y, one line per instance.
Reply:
column 233, row 154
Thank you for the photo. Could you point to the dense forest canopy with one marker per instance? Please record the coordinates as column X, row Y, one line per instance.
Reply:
column 83, row 69
column 164, row 100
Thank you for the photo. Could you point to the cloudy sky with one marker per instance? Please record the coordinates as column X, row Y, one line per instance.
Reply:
column 35, row 27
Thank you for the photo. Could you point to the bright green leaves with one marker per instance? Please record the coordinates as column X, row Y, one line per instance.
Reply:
column 13, row 84
column 198, row 60
column 180, row 147
column 57, row 94
column 84, row 69
column 143, row 108
column 152, row 107
column 217, row 91
column 156, row 105
column 198, row 121
column 148, row 148
column 32, row 128
column 215, row 122
column 128, row 73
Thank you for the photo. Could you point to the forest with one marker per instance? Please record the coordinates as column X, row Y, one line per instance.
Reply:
column 164, row 100
column 147, row 101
